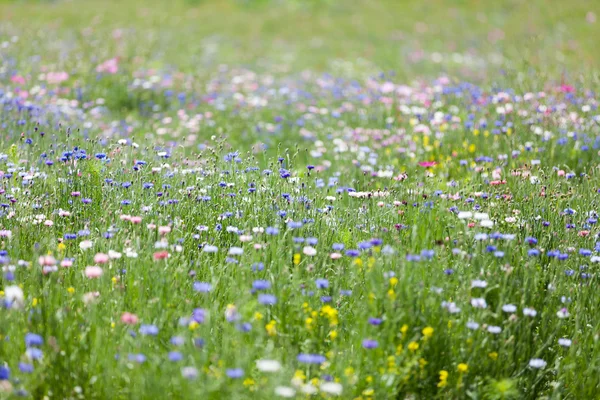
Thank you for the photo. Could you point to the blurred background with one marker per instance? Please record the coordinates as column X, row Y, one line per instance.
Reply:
column 477, row 40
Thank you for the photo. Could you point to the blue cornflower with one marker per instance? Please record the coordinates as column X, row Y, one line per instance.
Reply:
column 311, row 358
column 151, row 330
column 202, row 287
column 235, row 373
column 32, row 339
column 267, row 299
column 175, row 356
column 322, row 283
column 370, row 344
column 261, row 284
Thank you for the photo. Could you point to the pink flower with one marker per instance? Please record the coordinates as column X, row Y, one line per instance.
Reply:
column 497, row 182
column 583, row 233
column 161, row 255
column 46, row 261
column 110, row 66
column 17, row 79
column 66, row 263
column 163, row 230
column 129, row 318
column 101, row 258
column 136, row 220
column 561, row 172
column 335, row 256
column 54, row 78
column 93, row 272
column 427, row 164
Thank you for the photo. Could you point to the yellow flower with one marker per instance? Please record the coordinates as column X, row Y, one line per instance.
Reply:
column 413, row 346
column 71, row 290
column 309, row 322
column 493, row 355
column 443, row 379
column 391, row 294
column 193, row 325
column 258, row 316
column 299, row 374
column 369, row 379
column 368, row 392
column 462, row 368
column 270, row 327
column 349, row 371
column 35, row 302
column 358, row 262
column 333, row 334
column 61, row 247
column 248, row 382
column 427, row 332
column 112, row 325
column 399, row 349
column 404, row 329
column 393, row 281
column 422, row 363
column 297, row 258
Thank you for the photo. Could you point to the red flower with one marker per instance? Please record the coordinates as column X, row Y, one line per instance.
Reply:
column 161, row 255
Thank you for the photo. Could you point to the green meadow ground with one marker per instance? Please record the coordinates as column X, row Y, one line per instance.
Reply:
column 311, row 199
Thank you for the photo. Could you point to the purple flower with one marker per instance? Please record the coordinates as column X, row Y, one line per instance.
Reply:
column 370, row 344
column 311, row 358
column 151, row 330
column 267, row 299
column 261, row 285
column 322, row 283
column 375, row 321
column 32, row 339
column 235, row 373
column 138, row 358
column 202, row 287
column 175, row 356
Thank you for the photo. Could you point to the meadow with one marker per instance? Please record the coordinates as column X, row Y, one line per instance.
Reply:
column 299, row 199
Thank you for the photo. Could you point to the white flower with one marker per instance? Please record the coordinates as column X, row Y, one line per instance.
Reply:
column 534, row 180
column 494, row 329
column 529, row 312
column 478, row 302
column 465, row 215
column 236, row 251
column 562, row 313
column 309, row 251
column 537, row 363
column 114, row 254
column 285, row 391
column 86, row 244
column 509, row 308
column 482, row 216
column 565, row 342
column 487, row 223
column 332, row 388
column 210, row 249
column 268, row 365
column 476, row 283
column 309, row 389
column 472, row 325
column 189, row 372
column 14, row 296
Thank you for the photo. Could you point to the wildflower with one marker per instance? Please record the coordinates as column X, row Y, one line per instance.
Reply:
column 413, row 346
column 333, row 388
column 565, row 342
column 427, row 332
column 285, row 391
column 129, row 318
column 443, row 379
column 370, row 344
column 537, row 363
column 268, row 365
column 270, row 328
column 462, row 368
column 93, row 272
